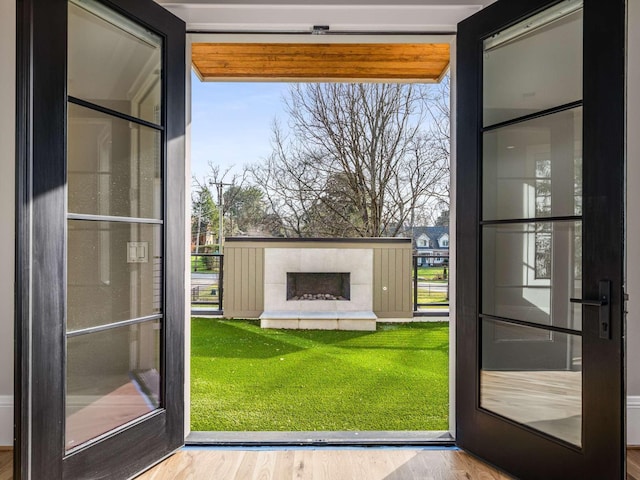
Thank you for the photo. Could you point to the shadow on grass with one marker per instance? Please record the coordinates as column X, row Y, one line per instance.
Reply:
column 229, row 339
column 328, row 337
column 245, row 339
column 388, row 336
column 334, row 337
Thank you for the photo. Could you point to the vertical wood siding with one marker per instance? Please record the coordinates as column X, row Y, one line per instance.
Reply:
column 243, row 281
column 244, row 278
column 392, row 287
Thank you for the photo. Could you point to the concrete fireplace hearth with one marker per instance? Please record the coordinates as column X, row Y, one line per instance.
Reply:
column 318, row 288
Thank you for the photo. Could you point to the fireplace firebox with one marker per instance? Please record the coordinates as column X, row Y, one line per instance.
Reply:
column 318, row 286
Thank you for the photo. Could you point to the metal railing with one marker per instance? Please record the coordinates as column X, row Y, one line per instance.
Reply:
column 431, row 285
column 206, row 283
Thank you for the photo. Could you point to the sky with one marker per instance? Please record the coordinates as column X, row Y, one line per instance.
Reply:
column 231, row 123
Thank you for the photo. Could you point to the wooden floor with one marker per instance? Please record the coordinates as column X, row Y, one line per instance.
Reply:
column 103, row 413
column 6, row 465
column 633, row 464
column 550, row 401
column 324, row 464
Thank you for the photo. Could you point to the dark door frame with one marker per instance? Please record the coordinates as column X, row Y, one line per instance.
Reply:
column 479, row 431
column 41, row 95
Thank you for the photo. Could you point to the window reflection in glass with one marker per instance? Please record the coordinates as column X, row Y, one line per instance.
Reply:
column 113, row 377
column 534, row 65
column 529, row 272
column 113, row 62
column 114, row 272
column 113, row 166
column 533, row 169
column 533, row 376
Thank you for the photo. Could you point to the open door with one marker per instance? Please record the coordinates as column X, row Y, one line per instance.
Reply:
column 540, row 382
column 101, row 126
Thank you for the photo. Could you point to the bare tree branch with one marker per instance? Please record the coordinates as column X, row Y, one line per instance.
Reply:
column 360, row 159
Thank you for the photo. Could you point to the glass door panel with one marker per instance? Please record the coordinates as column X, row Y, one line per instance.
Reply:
column 115, row 228
column 547, row 394
column 118, row 267
column 113, row 377
column 534, row 65
column 113, row 165
column 533, row 168
column 540, row 235
column 113, row 62
column 531, row 223
column 531, row 271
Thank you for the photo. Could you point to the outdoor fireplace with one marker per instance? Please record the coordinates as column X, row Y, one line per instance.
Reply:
column 258, row 281
column 318, row 286
column 309, row 287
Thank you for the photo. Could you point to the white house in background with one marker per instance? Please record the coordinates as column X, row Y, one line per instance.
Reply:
column 432, row 242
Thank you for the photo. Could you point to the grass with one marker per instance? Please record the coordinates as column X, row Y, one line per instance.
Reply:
column 244, row 378
column 204, row 295
column 204, row 264
column 433, row 274
column 426, row 297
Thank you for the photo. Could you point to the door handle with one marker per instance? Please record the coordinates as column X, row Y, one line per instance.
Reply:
column 604, row 303
column 590, row 303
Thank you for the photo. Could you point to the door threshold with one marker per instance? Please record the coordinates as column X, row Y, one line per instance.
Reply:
column 325, row 439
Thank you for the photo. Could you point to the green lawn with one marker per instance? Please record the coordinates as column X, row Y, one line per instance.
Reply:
column 244, row 378
column 434, row 274
column 205, row 264
column 425, row 297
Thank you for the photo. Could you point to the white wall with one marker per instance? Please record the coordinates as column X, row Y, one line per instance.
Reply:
column 300, row 15
column 7, row 210
column 633, row 224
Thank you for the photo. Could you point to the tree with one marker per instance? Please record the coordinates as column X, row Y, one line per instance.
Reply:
column 204, row 214
column 359, row 160
column 443, row 219
column 218, row 180
column 436, row 101
column 245, row 209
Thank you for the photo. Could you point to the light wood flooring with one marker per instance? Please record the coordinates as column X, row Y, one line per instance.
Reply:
column 633, row 464
column 321, row 464
column 6, row 464
column 104, row 413
column 550, row 401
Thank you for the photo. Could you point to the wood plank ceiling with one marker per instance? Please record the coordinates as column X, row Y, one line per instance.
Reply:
column 401, row 62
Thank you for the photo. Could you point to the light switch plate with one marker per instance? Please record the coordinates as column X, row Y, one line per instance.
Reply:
column 137, row 252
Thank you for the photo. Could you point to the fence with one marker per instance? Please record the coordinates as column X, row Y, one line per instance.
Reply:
column 206, row 283
column 431, row 285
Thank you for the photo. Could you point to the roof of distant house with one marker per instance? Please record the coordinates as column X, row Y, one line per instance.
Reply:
column 433, row 233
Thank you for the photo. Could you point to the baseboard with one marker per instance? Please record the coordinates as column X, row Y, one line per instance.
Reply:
column 633, row 420
column 6, row 421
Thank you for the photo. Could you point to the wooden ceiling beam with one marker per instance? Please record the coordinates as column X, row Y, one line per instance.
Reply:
column 305, row 62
